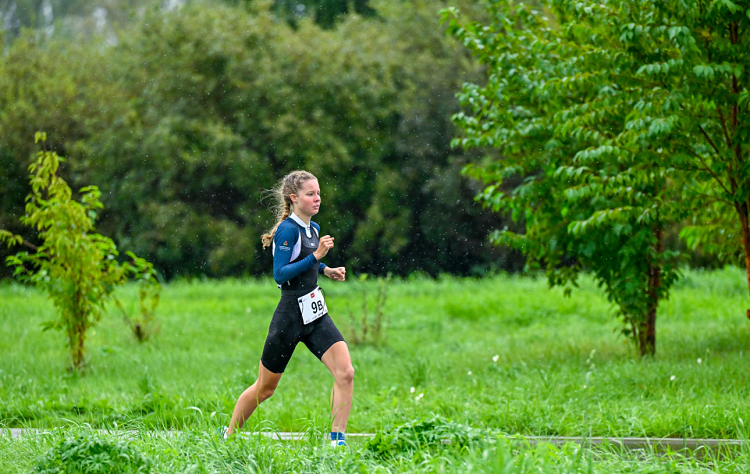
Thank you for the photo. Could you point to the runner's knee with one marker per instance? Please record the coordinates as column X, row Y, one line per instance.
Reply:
column 345, row 376
column 264, row 393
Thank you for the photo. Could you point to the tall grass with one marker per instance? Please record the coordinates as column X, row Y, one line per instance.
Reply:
column 419, row 452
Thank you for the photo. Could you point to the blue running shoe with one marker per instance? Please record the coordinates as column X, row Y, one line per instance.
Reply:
column 223, row 433
column 338, row 439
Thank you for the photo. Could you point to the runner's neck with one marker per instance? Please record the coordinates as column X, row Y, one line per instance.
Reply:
column 305, row 225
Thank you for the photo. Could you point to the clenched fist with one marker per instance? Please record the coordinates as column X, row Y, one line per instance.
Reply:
column 326, row 244
column 338, row 273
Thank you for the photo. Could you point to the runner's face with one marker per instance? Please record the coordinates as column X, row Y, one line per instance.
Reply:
column 308, row 199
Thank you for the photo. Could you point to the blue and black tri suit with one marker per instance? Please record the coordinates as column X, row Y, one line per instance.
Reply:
column 296, row 270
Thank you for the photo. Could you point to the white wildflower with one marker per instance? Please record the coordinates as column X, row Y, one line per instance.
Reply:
column 411, row 390
column 495, row 358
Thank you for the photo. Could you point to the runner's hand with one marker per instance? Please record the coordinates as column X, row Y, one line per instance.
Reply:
column 326, row 244
column 338, row 273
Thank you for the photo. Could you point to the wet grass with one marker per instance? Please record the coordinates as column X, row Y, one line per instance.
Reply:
column 410, row 450
column 502, row 353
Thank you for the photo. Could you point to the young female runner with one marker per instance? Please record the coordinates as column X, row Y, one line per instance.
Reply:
column 301, row 315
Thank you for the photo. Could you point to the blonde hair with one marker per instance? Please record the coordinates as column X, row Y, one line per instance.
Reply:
column 289, row 184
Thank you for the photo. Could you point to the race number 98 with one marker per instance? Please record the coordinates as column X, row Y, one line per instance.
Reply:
column 313, row 306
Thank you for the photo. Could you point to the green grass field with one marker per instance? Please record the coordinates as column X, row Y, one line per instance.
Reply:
column 502, row 355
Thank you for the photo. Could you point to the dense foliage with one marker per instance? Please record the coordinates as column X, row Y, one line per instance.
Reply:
column 607, row 115
column 194, row 112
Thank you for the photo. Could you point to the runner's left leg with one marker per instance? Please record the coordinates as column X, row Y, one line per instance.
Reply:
column 261, row 390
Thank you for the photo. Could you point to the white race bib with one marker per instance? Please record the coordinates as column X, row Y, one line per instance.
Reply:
column 313, row 306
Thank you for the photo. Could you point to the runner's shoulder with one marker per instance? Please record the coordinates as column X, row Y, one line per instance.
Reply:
column 315, row 225
column 286, row 232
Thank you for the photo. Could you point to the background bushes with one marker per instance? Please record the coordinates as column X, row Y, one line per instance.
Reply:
column 183, row 117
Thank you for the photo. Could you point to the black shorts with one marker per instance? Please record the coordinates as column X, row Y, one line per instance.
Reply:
column 287, row 330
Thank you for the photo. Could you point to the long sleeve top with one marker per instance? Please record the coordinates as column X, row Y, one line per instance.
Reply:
column 286, row 248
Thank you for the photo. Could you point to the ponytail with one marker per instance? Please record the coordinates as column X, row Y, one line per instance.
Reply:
column 289, row 184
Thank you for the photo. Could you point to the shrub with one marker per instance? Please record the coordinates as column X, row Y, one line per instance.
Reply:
column 74, row 265
column 371, row 328
column 93, row 453
column 424, row 434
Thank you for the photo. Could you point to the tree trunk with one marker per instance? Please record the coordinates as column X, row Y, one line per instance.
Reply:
column 647, row 333
column 72, row 347
column 76, row 338
column 79, row 350
column 647, row 327
column 742, row 210
column 78, row 325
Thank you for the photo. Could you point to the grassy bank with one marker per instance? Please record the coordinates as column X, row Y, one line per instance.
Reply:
column 502, row 353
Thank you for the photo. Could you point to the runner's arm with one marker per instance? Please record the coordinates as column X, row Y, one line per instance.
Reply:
column 322, row 266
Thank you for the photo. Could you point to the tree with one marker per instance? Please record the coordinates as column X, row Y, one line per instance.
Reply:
column 578, row 115
column 75, row 266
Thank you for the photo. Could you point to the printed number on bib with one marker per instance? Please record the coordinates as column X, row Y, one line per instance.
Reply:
column 313, row 306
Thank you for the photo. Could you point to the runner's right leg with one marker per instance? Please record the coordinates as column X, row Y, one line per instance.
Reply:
column 339, row 362
column 261, row 390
